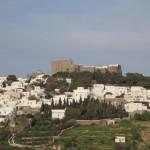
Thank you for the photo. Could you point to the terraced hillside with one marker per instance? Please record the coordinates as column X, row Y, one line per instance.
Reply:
column 95, row 137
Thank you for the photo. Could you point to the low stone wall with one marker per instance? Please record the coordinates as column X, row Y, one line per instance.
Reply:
column 96, row 122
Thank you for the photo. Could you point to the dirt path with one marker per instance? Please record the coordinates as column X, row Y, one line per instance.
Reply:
column 12, row 143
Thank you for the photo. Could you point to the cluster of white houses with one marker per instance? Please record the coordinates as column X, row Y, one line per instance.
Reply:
column 22, row 97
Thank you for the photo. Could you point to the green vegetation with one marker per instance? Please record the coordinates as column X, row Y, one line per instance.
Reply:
column 11, row 78
column 41, row 131
column 92, row 137
column 145, row 116
column 96, row 137
column 4, row 136
column 41, row 127
column 53, row 84
column 86, row 79
column 91, row 109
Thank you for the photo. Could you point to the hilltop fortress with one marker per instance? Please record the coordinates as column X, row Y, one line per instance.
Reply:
column 67, row 65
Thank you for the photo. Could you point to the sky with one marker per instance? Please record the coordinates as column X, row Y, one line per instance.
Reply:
column 33, row 33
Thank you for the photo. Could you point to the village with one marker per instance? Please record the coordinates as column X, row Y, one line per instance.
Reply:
column 22, row 98
column 40, row 110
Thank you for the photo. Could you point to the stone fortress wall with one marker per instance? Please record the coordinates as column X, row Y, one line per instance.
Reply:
column 67, row 65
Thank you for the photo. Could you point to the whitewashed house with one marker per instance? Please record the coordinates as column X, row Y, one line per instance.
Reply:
column 57, row 91
column 116, row 91
column 136, row 93
column 120, row 139
column 3, row 78
column 80, row 92
column 133, row 107
column 46, row 101
column 6, row 111
column 38, row 79
column 26, row 106
column 14, row 94
column 37, row 91
column 68, row 80
column 17, row 85
column 25, row 95
column 2, row 120
column 97, row 91
column 58, row 113
column 102, row 91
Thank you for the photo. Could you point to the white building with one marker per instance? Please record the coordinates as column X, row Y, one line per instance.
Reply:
column 148, row 94
column 30, row 103
column 102, row 91
column 57, row 91
column 5, row 97
column 26, row 95
column 14, row 94
column 2, row 120
column 26, row 106
column 3, row 78
column 80, row 92
column 137, row 93
column 116, row 91
column 138, row 90
column 46, row 101
column 38, row 79
column 37, row 91
column 58, row 113
column 17, row 85
column 133, row 107
column 57, row 98
column 97, row 91
column 120, row 139
column 6, row 111
column 68, row 80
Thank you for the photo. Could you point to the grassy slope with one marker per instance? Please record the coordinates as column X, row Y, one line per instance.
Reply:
column 99, row 137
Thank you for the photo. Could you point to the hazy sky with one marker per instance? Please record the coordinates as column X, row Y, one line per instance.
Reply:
column 35, row 32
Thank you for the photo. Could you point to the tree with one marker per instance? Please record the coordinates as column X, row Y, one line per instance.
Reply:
column 91, row 110
column 11, row 78
column 145, row 116
column 4, row 84
column 32, row 97
column 67, row 103
column 52, row 103
column 134, row 78
column 42, row 107
column 86, row 79
column 73, row 113
column 60, row 103
column 46, row 111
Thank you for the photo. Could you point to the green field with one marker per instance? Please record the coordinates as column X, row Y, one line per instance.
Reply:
column 92, row 137
column 96, row 137
column 39, row 134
